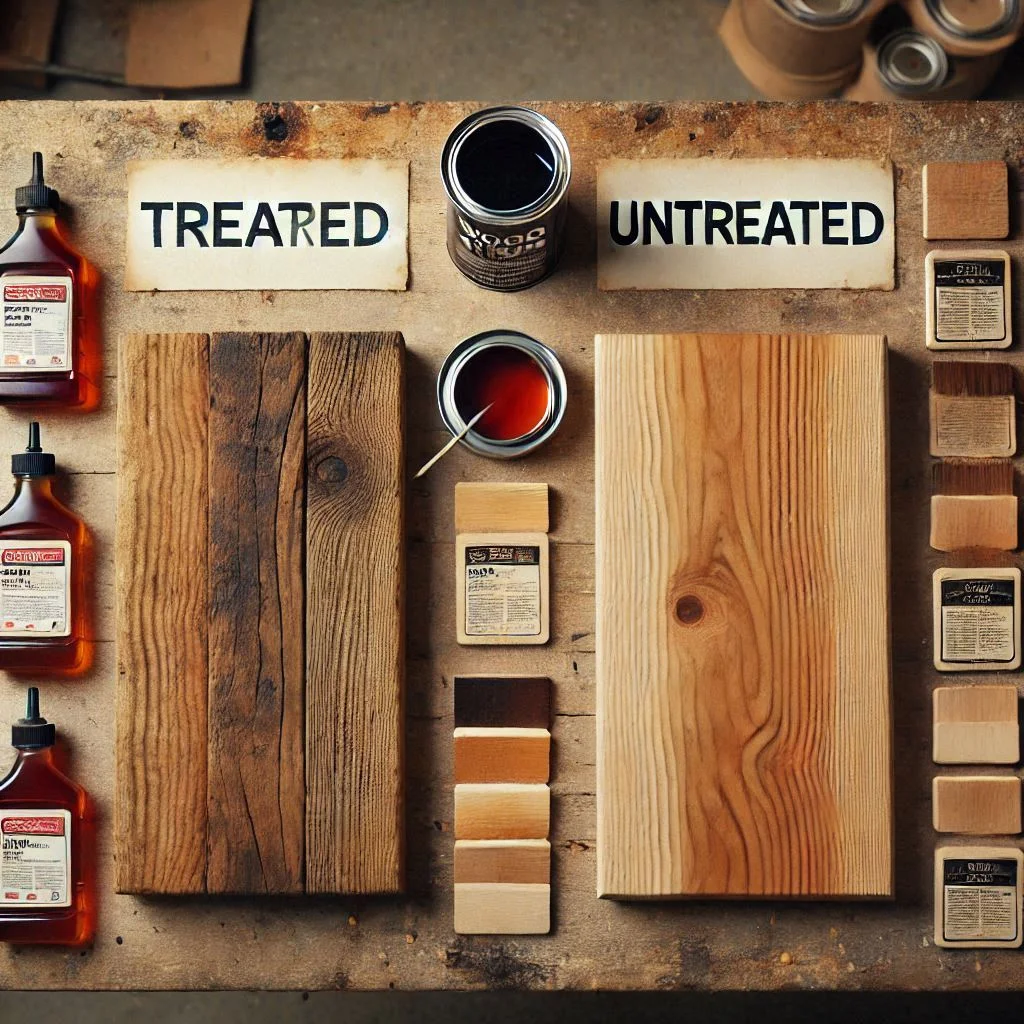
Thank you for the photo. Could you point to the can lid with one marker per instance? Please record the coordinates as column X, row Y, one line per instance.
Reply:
column 824, row 12
column 33, row 461
column 974, row 19
column 912, row 63
column 36, row 195
column 33, row 732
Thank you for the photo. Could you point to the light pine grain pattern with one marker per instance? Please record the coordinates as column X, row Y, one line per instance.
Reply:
column 161, row 569
column 966, row 200
column 501, row 508
column 975, row 725
column 502, row 755
column 977, row 805
column 526, row 861
column 502, row 811
column 484, row 908
column 257, row 453
column 355, row 605
column 961, row 521
column 744, row 742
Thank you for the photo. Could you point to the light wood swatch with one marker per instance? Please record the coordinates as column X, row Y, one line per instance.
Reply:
column 502, row 811
column 975, row 725
column 961, row 521
column 966, row 200
column 482, row 908
column 501, row 508
column 526, row 861
column 502, row 755
column 161, row 567
column 355, row 604
column 744, row 733
column 257, row 655
column 977, row 805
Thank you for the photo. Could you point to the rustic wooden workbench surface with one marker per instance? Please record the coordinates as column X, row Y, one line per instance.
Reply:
column 294, row 942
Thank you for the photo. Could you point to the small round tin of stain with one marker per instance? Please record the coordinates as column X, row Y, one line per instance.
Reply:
column 824, row 12
column 970, row 20
column 520, row 379
column 911, row 63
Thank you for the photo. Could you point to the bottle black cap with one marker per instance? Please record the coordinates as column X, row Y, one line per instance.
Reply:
column 36, row 195
column 33, row 461
column 33, row 732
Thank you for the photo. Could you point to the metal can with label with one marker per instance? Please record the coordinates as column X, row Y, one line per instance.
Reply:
column 506, row 171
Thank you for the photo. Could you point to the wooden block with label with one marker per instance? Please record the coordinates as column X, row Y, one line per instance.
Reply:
column 975, row 725
column 502, row 811
column 502, row 755
column 976, row 619
column 977, row 805
column 502, row 568
column 486, row 908
column 972, row 409
column 966, row 200
column 525, row 861
column 978, row 901
column 968, row 297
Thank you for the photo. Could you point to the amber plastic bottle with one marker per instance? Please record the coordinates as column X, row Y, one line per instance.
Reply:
column 47, row 860
column 50, row 343
column 45, row 558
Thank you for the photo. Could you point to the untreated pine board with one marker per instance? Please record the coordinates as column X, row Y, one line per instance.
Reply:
column 160, row 798
column 486, row 908
column 742, row 616
column 355, row 604
column 501, row 508
column 257, row 452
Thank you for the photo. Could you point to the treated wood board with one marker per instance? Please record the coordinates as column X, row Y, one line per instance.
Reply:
column 257, row 451
column 966, row 200
column 502, row 701
column 161, row 800
column 977, row 805
column 355, row 604
column 975, row 725
column 502, row 755
column 742, row 616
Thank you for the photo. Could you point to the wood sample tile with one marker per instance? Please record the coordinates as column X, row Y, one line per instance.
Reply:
column 482, row 908
column 501, row 508
column 972, row 409
column 527, row 861
column 160, row 821
column 975, row 725
column 502, row 811
column 978, row 897
column 963, row 521
column 976, row 619
column 742, row 563
column 519, row 702
column 977, row 805
column 966, row 200
column 502, row 755
column 257, row 452
column 355, row 600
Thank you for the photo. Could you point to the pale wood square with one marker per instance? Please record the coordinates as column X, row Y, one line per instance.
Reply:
column 483, row 908
column 975, row 725
column 501, row 508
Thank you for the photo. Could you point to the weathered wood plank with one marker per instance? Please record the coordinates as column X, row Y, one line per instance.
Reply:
column 355, row 613
column 257, row 460
column 160, row 796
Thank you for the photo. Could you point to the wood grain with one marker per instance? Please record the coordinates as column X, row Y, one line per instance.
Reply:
column 975, row 725
column 355, row 605
column 502, row 755
column 502, row 811
column 257, row 453
column 966, row 199
column 742, row 616
column 961, row 521
column 160, row 797
column 527, row 861
column 977, row 805
column 484, row 908
column 501, row 508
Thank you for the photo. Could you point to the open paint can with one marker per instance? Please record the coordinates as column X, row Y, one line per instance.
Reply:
column 520, row 379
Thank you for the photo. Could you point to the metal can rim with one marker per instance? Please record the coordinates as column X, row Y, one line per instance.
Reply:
column 459, row 357
column 926, row 46
column 937, row 9
column 792, row 7
column 545, row 127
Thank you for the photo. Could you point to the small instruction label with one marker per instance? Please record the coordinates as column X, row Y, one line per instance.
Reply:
column 35, row 859
column 979, row 900
column 503, row 590
column 36, row 324
column 978, row 620
column 35, row 588
column 970, row 300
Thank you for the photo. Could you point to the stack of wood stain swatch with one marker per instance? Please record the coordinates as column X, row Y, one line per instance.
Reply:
column 260, row 590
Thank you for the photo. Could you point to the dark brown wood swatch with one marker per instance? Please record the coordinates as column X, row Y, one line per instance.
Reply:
column 354, row 613
column 161, row 572
column 257, row 447
column 522, row 702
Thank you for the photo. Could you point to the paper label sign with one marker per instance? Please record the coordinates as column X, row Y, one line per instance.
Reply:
column 208, row 225
column 669, row 223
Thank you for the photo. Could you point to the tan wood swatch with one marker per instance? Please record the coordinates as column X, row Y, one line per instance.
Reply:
column 975, row 725
column 161, row 567
column 355, row 604
column 527, row 861
column 961, row 521
column 966, row 200
column 977, row 805
column 482, row 908
column 501, row 508
column 502, row 811
column 502, row 755
column 978, row 427
column 257, row 454
column 744, row 733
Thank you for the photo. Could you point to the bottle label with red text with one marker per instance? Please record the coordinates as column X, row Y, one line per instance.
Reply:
column 35, row 588
column 36, row 332
column 35, row 857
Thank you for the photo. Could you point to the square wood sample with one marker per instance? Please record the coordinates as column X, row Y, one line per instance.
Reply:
column 976, row 805
column 975, row 725
column 966, row 200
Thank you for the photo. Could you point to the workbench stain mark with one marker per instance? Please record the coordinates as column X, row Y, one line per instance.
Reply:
column 279, row 128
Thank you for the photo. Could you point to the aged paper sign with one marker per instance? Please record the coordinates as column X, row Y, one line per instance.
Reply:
column 699, row 223
column 209, row 225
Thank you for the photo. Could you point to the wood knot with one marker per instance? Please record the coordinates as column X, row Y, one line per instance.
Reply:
column 332, row 470
column 689, row 610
